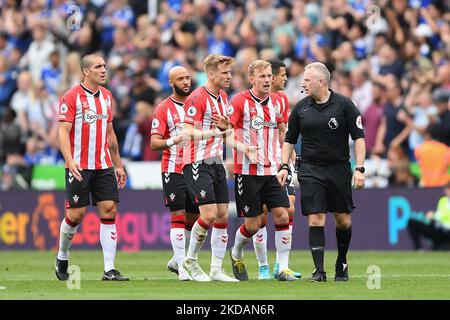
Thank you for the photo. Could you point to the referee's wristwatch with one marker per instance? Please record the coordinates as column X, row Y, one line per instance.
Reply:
column 360, row 169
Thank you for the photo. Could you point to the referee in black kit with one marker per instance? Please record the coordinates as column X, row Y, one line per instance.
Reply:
column 325, row 119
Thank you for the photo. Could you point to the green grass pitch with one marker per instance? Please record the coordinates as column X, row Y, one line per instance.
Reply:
column 404, row 275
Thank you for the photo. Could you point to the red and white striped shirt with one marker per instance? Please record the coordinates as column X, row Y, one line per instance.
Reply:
column 200, row 106
column 255, row 123
column 167, row 115
column 284, row 104
column 89, row 112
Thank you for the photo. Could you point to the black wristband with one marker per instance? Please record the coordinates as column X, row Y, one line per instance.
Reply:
column 284, row 166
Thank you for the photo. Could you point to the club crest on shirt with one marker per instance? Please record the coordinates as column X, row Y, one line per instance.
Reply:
column 333, row 124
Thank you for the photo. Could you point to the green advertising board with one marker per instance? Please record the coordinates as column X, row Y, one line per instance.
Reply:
column 48, row 177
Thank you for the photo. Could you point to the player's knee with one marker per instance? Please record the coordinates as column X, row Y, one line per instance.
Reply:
column 343, row 225
column 252, row 226
column 280, row 216
column 75, row 215
column 177, row 213
column 316, row 221
column 109, row 211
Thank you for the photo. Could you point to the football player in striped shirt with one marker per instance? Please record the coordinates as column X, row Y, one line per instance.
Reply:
column 166, row 129
column 93, row 165
column 204, row 172
column 255, row 116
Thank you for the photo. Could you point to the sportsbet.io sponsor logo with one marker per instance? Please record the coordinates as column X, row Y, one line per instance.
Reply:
column 90, row 116
column 257, row 123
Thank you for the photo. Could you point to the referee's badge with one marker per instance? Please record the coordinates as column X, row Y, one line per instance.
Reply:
column 333, row 124
column 359, row 122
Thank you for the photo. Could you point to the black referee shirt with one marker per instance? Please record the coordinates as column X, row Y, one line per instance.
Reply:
column 325, row 128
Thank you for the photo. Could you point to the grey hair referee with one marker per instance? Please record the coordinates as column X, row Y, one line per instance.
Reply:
column 325, row 119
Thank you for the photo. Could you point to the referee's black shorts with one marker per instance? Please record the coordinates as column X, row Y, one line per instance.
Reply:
column 325, row 188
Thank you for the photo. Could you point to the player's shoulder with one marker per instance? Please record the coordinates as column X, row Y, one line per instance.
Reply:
column 275, row 96
column 164, row 104
column 341, row 99
column 282, row 95
column 302, row 104
column 241, row 96
column 196, row 97
column 72, row 93
column 223, row 94
column 105, row 92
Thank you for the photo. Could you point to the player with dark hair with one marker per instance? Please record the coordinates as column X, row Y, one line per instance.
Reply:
column 166, row 129
column 89, row 146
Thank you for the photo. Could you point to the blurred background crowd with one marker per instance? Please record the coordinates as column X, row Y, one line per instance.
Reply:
column 391, row 57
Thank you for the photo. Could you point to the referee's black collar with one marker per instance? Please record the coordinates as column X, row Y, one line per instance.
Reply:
column 217, row 98
column 262, row 102
column 330, row 100
column 95, row 94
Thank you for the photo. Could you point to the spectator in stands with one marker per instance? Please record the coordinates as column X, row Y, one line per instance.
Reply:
column 442, row 101
column 435, row 225
column 11, row 154
column 373, row 114
column 396, row 124
column 409, row 42
column 362, row 90
column 23, row 98
column 51, row 73
column 39, row 52
column 71, row 75
column 7, row 83
column 434, row 159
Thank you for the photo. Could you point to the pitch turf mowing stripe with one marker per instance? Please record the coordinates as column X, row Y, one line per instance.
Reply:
column 404, row 275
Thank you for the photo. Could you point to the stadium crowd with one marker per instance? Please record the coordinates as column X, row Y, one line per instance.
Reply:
column 392, row 59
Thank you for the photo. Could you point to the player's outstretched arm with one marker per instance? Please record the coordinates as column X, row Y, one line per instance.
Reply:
column 113, row 147
column 157, row 142
column 192, row 133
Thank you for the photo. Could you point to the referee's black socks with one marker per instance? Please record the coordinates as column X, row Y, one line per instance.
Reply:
column 317, row 245
column 343, row 237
